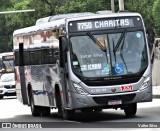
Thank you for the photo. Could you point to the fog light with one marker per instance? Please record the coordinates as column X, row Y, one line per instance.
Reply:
column 81, row 100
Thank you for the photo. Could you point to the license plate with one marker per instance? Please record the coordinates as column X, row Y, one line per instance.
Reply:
column 114, row 102
column 11, row 91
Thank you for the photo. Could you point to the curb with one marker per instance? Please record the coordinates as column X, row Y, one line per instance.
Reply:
column 156, row 96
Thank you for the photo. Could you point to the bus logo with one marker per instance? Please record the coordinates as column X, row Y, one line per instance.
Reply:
column 113, row 89
column 126, row 88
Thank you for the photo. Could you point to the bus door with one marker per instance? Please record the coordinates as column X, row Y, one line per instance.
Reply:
column 63, row 68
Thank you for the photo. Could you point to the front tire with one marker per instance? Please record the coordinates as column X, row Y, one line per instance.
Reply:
column 131, row 110
column 87, row 110
column 1, row 97
column 46, row 111
column 58, row 103
column 97, row 110
column 35, row 110
column 68, row 114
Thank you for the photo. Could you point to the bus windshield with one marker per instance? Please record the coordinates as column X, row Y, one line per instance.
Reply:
column 115, row 54
column 8, row 63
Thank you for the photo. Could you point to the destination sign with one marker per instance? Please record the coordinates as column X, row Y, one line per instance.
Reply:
column 102, row 24
column 9, row 57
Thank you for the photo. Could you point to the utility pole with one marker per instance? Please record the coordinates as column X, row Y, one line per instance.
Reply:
column 112, row 6
column 121, row 4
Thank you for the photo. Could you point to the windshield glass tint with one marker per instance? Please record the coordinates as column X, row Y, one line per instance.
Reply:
column 8, row 65
column 109, row 54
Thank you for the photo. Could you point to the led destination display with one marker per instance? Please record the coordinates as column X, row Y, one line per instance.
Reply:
column 9, row 57
column 102, row 24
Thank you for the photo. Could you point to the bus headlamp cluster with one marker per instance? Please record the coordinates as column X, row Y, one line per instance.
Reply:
column 79, row 89
column 146, row 83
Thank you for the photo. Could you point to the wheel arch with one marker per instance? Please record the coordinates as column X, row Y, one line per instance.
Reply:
column 57, row 93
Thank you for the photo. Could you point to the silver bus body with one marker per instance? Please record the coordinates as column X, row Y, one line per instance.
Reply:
column 50, row 82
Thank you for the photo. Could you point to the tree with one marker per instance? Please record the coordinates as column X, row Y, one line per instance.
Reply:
column 4, row 32
column 21, row 20
column 75, row 6
column 156, row 10
column 44, row 8
column 144, row 7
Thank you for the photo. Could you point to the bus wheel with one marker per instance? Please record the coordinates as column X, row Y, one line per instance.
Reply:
column 46, row 111
column 131, row 110
column 97, row 110
column 1, row 97
column 68, row 114
column 86, row 110
column 59, row 104
column 36, row 110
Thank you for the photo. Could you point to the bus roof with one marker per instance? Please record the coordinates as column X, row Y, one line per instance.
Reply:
column 37, row 28
column 108, row 15
column 61, row 22
column 61, row 16
column 6, row 53
column 43, row 20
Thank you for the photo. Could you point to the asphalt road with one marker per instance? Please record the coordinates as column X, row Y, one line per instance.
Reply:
column 11, row 110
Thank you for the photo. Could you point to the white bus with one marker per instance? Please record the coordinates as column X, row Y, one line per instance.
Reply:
column 6, row 62
column 103, row 63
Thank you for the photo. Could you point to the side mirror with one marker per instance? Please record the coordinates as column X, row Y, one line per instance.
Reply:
column 63, row 43
column 63, row 47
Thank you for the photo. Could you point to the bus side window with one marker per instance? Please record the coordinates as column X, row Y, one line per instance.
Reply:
column 38, row 57
column 32, row 57
column 16, row 58
column 26, row 56
column 55, row 55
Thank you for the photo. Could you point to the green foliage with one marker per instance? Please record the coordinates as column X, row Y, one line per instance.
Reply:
column 144, row 7
column 156, row 15
column 84, row 6
column 44, row 8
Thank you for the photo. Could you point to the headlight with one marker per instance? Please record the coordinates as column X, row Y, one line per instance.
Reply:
column 146, row 83
column 79, row 89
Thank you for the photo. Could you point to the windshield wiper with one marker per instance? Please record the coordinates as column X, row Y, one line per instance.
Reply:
column 96, row 41
column 122, row 55
column 119, row 41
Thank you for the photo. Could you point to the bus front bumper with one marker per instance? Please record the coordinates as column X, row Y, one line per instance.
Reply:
column 110, row 100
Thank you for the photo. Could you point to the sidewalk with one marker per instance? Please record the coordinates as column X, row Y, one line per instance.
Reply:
column 156, row 91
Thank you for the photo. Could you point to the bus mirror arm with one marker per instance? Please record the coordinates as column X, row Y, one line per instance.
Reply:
column 64, row 43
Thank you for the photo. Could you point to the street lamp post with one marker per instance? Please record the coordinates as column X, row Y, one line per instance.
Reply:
column 17, row 11
column 112, row 6
column 121, row 4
